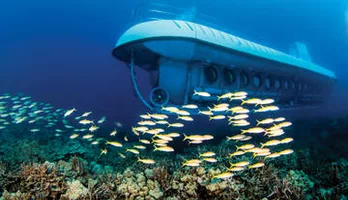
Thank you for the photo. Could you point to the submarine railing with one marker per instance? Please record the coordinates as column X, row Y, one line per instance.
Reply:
column 135, row 85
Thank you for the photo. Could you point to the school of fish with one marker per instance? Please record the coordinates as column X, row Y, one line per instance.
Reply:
column 157, row 131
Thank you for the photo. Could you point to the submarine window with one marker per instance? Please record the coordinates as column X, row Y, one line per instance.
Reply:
column 277, row 84
column 286, row 85
column 267, row 83
column 299, row 86
column 256, row 81
column 244, row 79
column 229, row 76
column 210, row 74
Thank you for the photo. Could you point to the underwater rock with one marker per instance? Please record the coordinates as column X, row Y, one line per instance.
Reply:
column 75, row 191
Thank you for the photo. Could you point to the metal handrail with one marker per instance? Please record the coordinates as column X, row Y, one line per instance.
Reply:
column 135, row 84
column 150, row 12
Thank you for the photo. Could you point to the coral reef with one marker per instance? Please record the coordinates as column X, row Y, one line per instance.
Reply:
column 34, row 168
column 42, row 181
column 68, row 180
column 38, row 182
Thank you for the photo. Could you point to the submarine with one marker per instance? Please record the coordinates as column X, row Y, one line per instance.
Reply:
column 187, row 57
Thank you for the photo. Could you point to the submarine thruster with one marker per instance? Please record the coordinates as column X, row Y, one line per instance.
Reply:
column 188, row 57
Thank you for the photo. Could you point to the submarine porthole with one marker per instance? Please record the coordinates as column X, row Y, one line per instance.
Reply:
column 276, row 84
column 229, row 76
column 244, row 79
column 292, row 84
column 299, row 86
column 286, row 85
column 256, row 81
column 210, row 74
column 267, row 83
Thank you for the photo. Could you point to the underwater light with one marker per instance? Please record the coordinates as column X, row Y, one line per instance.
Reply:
column 190, row 57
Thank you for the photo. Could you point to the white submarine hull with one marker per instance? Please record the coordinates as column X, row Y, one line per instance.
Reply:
column 187, row 56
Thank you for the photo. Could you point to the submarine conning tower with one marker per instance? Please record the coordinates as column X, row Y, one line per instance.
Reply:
column 187, row 57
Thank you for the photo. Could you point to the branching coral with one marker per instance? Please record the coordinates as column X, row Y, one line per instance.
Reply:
column 163, row 177
column 42, row 181
column 258, row 183
column 284, row 190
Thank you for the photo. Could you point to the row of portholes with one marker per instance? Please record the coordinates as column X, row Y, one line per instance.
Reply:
column 211, row 75
column 274, row 83
column 230, row 77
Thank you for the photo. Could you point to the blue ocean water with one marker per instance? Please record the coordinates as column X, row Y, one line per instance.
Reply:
column 59, row 52
column 53, row 49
